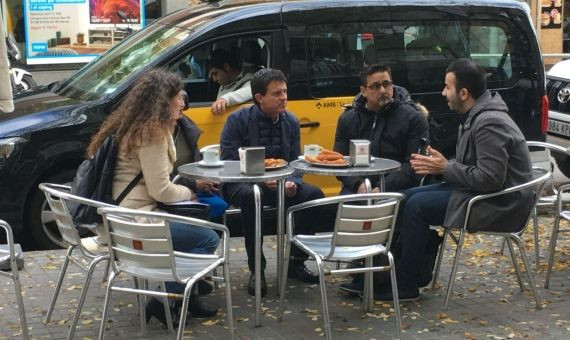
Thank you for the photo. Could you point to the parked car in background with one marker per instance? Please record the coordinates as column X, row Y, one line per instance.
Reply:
column 558, row 90
column 321, row 46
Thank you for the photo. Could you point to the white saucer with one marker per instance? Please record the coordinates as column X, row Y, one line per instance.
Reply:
column 211, row 165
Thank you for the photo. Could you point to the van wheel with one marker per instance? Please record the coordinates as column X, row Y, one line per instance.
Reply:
column 563, row 163
column 40, row 220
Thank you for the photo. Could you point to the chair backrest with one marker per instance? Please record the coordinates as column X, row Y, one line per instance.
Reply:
column 135, row 246
column 364, row 225
column 140, row 242
column 57, row 195
column 540, row 157
column 539, row 178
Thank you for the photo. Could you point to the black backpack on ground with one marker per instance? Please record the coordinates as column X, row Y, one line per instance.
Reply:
column 94, row 181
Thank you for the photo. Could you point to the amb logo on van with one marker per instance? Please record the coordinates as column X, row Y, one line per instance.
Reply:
column 329, row 104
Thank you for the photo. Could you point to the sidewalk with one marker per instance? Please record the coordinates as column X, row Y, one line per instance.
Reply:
column 486, row 304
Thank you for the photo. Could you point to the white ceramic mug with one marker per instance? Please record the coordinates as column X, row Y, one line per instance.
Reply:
column 211, row 156
column 312, row 150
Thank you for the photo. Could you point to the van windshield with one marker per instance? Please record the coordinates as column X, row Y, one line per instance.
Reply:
column 106, row 74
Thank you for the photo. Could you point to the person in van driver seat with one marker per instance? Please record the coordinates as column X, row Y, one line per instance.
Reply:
column 384, row 114
column 491, row 155
column 234, row 81
column 267, row 123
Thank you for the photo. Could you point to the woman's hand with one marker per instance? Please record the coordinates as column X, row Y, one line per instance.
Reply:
column 206, row 186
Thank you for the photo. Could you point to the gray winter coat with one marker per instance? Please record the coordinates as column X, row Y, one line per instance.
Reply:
column 491, row 156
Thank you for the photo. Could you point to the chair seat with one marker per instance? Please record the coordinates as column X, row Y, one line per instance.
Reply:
column 551, row 199
column 186, row 268
column 321, row 245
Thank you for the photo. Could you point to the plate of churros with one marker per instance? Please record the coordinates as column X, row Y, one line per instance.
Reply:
column 327, row 159
column 275, row 163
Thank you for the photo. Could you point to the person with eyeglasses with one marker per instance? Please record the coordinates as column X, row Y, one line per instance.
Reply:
column 384, row 114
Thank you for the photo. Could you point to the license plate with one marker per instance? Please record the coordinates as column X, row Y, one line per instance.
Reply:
column 558, row 127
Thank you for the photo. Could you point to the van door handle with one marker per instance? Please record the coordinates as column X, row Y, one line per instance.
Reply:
column 309, row 125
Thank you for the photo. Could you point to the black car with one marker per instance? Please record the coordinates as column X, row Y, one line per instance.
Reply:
column 321, row 45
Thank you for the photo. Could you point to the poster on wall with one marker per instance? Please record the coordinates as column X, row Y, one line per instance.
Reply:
column 77, row 31
column 114, row 11
column 551, row 14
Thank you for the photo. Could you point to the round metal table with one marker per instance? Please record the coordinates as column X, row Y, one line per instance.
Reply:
column 378, row 166
column 229, row 172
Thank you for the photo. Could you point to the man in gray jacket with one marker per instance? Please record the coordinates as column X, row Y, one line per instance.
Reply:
column 491, row 155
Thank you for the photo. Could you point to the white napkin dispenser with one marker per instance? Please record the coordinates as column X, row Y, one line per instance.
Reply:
column 252, row 161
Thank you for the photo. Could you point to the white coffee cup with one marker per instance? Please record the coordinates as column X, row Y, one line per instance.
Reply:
column 312, row 150
column 211, row 156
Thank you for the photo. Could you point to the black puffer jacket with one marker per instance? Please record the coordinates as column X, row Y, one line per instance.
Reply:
column 396, row 135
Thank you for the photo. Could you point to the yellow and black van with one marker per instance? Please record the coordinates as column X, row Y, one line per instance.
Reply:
column 321, row 45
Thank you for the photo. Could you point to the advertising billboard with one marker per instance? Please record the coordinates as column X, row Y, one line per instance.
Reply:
column 105, row 11
column 76, row 31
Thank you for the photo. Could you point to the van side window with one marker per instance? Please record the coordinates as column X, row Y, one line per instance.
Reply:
column 248, row 53
column 337, row 53
column 429, row 46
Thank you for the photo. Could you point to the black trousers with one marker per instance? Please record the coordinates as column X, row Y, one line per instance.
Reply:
column 241, row 195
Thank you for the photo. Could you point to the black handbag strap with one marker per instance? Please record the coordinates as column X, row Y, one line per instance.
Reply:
column 129, row 187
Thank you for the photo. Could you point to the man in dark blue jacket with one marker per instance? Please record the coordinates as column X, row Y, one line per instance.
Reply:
column 267, row 123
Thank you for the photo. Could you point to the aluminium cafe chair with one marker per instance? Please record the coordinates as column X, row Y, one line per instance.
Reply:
column 360, row 232
column 140, row 245
column 10, row 256
column 540, row 153
column 558, row 199
column 57, row 196
column 540, row 177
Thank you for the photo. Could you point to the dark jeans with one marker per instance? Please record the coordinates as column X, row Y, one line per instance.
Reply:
column 191, row 239
column 422, row 207
column 241, row 195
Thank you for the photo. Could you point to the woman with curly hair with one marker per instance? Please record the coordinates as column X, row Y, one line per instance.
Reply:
column 143, row 125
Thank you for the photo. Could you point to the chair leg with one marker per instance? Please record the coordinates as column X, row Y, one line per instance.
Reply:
column 58, row 285
column 520, row 244
column 142, row 309
column 215, row 273
column 110, row 283
column 20, row 301
column 229, row 308
column 106, row 273
column 394, row 284
column 552, row 246
column 368, row 286
column 323, row 287
column 502, row 250
column 439, row 259
column 454, row 268
column 284, row 283
column 166, row 310
column 536, row 244
column 184, row 311
column 515, row 264
column 84, row 290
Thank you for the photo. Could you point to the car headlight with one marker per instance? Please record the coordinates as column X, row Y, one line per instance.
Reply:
column 7, row 146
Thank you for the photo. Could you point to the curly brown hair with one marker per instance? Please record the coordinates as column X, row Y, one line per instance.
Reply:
column 143, row 115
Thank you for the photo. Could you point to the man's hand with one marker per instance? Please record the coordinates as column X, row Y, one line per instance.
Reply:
column 206, row 186
column 362, row 189
column 290, row 189
column 219, row 107
column 271, row 185
column 434, row 164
